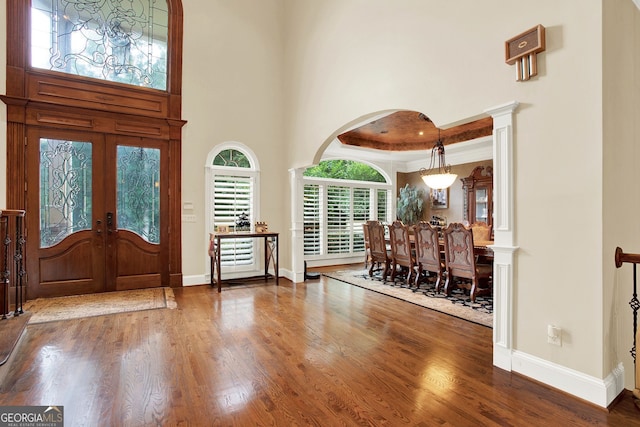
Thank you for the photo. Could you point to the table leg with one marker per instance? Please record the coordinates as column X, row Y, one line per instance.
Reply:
column 267, row 256
column 271, row 243
column 218, row 264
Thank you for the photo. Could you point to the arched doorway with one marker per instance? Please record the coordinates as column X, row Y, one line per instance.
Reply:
column 504, row 236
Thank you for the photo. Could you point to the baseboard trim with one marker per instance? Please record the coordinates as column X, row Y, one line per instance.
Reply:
column 205, row 279
column 598, row 391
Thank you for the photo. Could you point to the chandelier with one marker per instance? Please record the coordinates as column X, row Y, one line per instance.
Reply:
column 439, row 175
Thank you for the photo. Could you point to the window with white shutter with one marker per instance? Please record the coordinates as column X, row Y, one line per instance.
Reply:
column 233, row 196
column 232, row 188
column 361, row 213
column 338, row 220
column 382, row 205
column 336, row 208
column 312, row 220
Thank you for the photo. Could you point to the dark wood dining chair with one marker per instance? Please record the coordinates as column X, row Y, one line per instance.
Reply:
column 428, row 255
column 402, row 256
column 460, row 263
column 379, row 255
column 367, row 246
column 481, row 233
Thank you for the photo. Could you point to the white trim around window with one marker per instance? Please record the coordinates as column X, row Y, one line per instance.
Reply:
column 249, row 254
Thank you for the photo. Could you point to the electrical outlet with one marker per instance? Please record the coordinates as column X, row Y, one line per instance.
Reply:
column 554, row 335
column 188, row 218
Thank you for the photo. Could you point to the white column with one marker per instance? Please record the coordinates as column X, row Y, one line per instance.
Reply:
column 504, row 237
column 297, row 224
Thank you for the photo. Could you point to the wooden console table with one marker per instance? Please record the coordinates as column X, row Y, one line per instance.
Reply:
column 270, row 253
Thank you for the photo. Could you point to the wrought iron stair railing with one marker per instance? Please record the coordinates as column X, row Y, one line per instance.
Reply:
column 12, row 259
column 621, row 258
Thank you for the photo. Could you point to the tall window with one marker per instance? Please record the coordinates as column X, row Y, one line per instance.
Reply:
column 232, row 186
column 118, row 41
column 339, row 196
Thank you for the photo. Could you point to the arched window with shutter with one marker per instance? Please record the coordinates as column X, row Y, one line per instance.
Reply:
column 232, row 194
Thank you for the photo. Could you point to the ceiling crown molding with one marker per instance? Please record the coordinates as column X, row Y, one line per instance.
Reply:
column 456, row 154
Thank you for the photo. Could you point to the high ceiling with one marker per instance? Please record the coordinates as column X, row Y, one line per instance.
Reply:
column 410, row 130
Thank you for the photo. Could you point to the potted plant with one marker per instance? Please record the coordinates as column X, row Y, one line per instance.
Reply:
column 410, row 204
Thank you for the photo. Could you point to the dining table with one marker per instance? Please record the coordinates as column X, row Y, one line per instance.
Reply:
column 480, row 247
column 483, row 248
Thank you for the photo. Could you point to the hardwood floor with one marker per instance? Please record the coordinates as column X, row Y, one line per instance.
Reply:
column 320, row 353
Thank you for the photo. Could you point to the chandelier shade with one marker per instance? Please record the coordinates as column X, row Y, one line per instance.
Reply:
column 440, row 181
column 439, row 175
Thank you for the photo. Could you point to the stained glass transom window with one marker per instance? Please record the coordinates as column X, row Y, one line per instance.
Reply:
column 115, row 40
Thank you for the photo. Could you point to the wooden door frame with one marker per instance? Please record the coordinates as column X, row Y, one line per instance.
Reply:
column 44, row 98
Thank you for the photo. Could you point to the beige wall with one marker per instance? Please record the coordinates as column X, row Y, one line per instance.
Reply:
column 345, row 61
column 455, row 211
column 233, row 91
column 621, row 155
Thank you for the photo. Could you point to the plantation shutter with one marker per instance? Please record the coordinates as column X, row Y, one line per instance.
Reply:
column 232, row 196
column 383, row 209
column 361, row 207
column 312, row 220
column 338, row 219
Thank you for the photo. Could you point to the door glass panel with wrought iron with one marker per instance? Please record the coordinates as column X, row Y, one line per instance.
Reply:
column 138, row 191
column 65, row 189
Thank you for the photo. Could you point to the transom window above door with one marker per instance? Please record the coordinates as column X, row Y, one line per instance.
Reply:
column 117, row 41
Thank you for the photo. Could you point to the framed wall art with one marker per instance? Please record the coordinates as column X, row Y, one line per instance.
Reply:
column 439, row 198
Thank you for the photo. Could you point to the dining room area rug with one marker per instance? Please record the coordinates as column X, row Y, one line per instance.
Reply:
column 458, row 304
column 44, row 310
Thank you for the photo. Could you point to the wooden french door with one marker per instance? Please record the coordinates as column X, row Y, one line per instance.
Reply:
column 97, row 212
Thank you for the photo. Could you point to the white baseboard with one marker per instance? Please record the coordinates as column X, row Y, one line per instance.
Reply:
column 205, row 279
column 198, row 279
column 598, row 391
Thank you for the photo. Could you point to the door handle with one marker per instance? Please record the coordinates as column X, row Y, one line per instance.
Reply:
column 99, row 227
column 109, row 222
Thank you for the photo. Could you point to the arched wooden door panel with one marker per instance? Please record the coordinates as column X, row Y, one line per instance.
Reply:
column 137, row 216
column 65, row 248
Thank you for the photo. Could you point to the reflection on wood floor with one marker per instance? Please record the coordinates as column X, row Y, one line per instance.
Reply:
column 318, row 353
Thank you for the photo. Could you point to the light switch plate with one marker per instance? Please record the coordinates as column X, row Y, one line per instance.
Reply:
column 188, row 218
